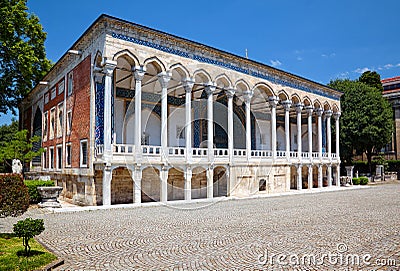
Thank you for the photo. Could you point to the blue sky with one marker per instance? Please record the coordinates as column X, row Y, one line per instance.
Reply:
column 319, row 40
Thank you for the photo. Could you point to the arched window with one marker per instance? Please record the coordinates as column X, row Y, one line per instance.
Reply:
column 262, row 185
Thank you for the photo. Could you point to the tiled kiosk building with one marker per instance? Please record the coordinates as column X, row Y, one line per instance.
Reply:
column 131, row 114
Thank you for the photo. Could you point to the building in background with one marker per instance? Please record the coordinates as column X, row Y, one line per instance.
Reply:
column 391, row 91
column 131, row 114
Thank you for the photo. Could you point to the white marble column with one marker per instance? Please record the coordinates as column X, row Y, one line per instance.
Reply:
column 329, row 177
column 299, row 177
column 273, row 101
column 188, row 86
column 320, row 176
column 247, row 97
column 319, row 112
column 310, row 176
column 309, row 110
column 229, row 94
column 164, row 184
column 299, row 107
column 338, row 175
column 164, row 78
column 188, row 183
column 328, row 115
column 139, row 73
column 286, row 106
column 210, row 182
column 137, row 180
column 337, row 116
column 107, row 176
column 210, row 88
column 109, row 67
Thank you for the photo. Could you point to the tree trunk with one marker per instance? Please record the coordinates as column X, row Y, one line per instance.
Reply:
column 369, row 158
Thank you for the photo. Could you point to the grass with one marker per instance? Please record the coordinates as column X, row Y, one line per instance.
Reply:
column 12, row 254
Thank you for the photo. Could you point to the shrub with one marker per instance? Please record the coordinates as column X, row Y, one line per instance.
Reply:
column 32, row 189
column 363, row 180
column 356, row 181
column 27, row 229
column 14, row 197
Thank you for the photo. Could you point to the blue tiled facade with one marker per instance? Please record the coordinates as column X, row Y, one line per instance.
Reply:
column 253, row 71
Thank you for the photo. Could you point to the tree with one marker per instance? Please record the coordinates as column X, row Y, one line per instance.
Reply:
column 28, row 229
column 20, row 147
column 7, row 133
column 372, row 79
column 14, row 196
column 366, row 123
column 22, row 53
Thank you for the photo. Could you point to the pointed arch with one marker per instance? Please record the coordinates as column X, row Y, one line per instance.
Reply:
column 307, row 101
column 242, row 85
column 203, row 75
column 97, row 59
column 327, row 106
column 128, row 55
column 267, row 89
column 224, row 79
column 295, row 99
column 180, row 69
column 156, row 62
column 317, row 104
column 282, row 95
column 335, row 108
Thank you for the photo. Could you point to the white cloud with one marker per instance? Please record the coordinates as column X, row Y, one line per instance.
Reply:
column 362, row 70
column 331, row 55
column 299, row 58
column 398, row 65
column 275, row 63
column 388, row 66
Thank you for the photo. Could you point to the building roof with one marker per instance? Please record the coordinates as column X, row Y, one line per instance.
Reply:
column 275, row 73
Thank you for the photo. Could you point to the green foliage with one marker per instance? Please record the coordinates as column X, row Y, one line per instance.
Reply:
column 7, row 132
column 32, row 185
column 20, row 147
column 372, row 79
column 366, row 123
column 10, row 255
column 363, row 180
column 22, row 53
column 27, row 229
column 356, row 181
column 14, row 197
column 393, row 165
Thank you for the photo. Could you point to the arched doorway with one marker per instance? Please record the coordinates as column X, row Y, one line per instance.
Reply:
column 199, row 183
column 220, row 182
column 151, row 184
column 121, row 186
column 176, row 184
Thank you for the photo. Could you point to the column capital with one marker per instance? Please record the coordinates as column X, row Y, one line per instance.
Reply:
column 286, row 104
column 139, row 72
column 337, row 115
column 210, row 88
column 319, row 111
column 98, row 77
column 188, row 84
column 109, row 66
column 163, row 78
column 247, row 95
column 299, row 107
column 309, row 109
column 230, row 92
column 273, row 101
column 328, row 113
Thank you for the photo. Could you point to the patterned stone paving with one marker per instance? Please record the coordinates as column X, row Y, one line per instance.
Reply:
column 234, row 235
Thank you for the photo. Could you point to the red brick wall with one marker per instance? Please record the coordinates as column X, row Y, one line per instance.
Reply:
column 79, row 103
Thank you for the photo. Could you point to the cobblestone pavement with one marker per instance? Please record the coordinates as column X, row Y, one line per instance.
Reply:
column 234, row 235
